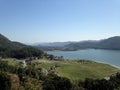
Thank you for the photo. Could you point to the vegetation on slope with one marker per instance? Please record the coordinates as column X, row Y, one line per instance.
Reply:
column 110, row 43
column 86, row 75
column 17, row 50
column 5, row 43
column 14, row 77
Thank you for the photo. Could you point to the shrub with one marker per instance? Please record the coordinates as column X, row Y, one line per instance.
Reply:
column 56, row 83
column 5, row 81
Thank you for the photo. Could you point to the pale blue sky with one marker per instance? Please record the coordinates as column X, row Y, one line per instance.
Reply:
column 31, row 21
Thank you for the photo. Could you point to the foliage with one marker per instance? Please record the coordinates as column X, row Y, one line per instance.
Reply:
column 27, row 52
column 7, row 68
column 21, row 53
column 17, row 50
column 24, row 74
column 54, row 82
column 31, row 77
column 112, row 84
column 5, row 81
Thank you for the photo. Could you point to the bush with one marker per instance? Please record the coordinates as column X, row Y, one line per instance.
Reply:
column 56, row 83
column 5, row 81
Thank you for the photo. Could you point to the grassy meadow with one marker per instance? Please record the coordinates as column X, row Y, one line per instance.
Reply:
column 74, row 69
column 79, row 69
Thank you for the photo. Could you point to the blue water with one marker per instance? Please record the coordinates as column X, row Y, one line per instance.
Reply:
column 99, row 55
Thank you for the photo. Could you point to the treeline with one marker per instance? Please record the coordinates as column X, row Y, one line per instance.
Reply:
column 20, row 53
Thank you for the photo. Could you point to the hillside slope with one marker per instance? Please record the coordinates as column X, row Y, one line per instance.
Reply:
column 6, row 43
column 112, row 43
column 16, row 49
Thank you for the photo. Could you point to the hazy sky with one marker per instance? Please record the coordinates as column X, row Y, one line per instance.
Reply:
column 31, row 21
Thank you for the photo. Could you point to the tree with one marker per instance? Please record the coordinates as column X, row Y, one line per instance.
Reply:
column 55, row 82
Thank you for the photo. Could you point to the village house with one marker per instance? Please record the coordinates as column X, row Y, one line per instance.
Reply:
column 58, row 58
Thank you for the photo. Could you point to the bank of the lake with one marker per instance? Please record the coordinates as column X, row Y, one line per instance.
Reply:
column 99, row 55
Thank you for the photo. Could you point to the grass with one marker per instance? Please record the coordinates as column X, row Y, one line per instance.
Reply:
column 76, row 69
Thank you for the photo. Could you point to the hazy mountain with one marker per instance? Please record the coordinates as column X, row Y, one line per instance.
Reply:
column 53, row 44
column 110, row 43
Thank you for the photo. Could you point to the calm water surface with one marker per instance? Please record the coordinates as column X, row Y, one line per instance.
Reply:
column 106, row 56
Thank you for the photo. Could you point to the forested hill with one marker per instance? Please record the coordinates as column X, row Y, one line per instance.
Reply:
column 112, row 43
column 16, row 49
column 6, row 43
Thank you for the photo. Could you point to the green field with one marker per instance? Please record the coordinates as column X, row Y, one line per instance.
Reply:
column 74, row 69
column 79, row 69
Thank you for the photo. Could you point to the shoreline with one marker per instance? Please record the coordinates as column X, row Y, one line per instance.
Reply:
column 118, row 67
column 115, row 66
column 106, row 57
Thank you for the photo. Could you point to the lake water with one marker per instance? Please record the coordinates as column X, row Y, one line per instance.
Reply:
column 99, row 55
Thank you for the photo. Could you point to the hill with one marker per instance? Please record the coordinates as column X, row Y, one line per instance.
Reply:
column 52, row 44
column 6, row 43
column 112, row 43
column 12, row 49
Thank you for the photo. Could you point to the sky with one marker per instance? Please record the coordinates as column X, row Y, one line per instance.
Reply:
column 33, row 21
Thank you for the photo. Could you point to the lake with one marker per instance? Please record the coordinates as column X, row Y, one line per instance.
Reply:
column 99, row 55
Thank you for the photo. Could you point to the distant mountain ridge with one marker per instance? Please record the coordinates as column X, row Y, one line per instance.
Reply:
column 112, row 43
column 54, row 43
